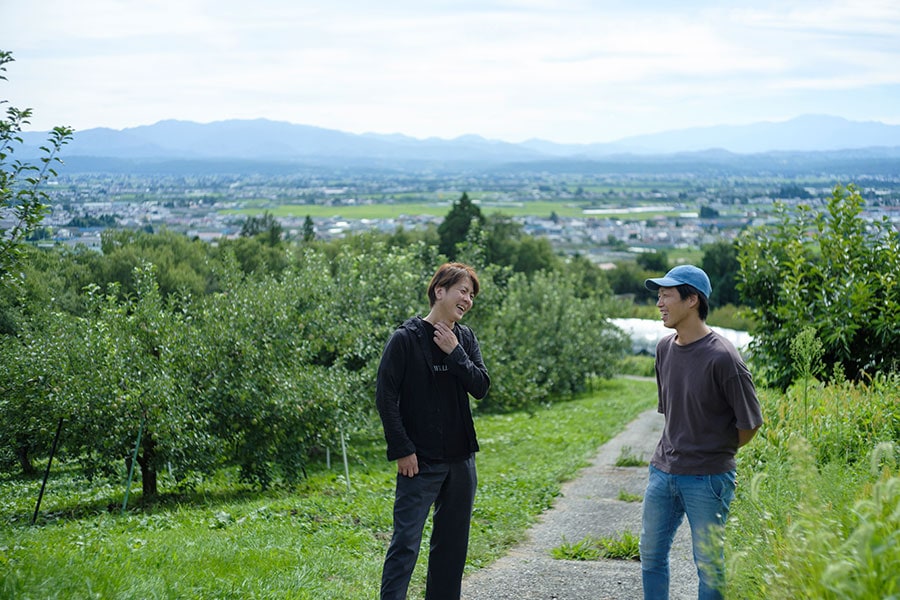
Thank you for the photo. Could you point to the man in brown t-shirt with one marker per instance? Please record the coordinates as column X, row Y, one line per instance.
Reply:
column 707, row 395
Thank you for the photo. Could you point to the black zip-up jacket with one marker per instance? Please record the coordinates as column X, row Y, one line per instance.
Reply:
column 406, row 396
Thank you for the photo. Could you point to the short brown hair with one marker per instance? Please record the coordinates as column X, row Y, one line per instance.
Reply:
column 448, row 275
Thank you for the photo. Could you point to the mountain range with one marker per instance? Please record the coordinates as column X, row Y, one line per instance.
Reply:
column 266, row 140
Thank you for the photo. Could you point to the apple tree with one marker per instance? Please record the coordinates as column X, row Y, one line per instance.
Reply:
column 23, row 202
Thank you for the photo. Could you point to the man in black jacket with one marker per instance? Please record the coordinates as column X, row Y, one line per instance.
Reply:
column 428, row 369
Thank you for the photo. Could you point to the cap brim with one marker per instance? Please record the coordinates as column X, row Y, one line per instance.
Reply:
column 655, row 284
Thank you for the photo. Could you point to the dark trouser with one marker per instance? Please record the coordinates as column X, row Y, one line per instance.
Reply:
column 450, row 487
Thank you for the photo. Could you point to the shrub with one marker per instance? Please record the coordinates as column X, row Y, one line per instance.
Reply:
column 832, row 271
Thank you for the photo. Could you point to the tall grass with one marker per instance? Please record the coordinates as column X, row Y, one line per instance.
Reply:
column 817, row 514
column 316, row 540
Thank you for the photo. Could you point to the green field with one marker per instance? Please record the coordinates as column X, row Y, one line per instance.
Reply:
column 541, row 209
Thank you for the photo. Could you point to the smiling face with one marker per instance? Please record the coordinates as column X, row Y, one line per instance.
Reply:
column 452, row 302
column 674, row 309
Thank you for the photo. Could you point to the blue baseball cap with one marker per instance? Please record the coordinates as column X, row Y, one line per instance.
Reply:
column 682, row 274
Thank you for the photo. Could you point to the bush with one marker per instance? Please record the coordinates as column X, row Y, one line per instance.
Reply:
column 541, row 342
column 259, row 371
column 832, row 271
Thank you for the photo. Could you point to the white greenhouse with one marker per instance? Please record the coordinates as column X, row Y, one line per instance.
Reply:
column 645, row 334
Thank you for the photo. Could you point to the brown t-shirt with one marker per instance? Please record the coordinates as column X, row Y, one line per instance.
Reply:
column 706, row 393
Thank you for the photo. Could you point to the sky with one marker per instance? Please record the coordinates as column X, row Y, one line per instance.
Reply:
column 568, row 71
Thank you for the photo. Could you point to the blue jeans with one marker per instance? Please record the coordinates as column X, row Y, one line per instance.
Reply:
column 705, row 500
column 450, row 487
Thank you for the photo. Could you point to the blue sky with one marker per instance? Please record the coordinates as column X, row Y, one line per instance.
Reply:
column 561, row 70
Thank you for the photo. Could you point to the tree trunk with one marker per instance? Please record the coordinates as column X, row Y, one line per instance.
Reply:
column 25, row 461
column 148, row 471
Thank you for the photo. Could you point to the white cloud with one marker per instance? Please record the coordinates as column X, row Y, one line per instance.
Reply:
column 567, row 71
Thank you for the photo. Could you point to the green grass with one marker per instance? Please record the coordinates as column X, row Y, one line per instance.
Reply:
column 627, row 458
column 626, row 496
column 625, row 546
column 638, row 366
column 682, row 256
column 584, row 549
column 316, row 540
column 819, row 517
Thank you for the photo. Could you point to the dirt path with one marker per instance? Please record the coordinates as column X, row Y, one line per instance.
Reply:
column 588, row 506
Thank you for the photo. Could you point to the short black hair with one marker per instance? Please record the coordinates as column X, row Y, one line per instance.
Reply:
column 685, row 291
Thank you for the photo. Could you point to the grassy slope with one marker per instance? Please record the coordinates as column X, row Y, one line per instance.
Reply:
column 316, row 540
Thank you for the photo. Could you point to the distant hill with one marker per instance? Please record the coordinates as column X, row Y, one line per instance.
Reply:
column 809, row 133
column 263, row 141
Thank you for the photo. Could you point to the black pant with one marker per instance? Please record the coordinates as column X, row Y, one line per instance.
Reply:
column 450, row 487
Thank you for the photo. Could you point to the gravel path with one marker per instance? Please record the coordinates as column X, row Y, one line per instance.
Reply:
column 588, row 506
